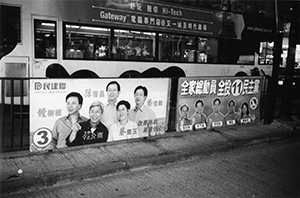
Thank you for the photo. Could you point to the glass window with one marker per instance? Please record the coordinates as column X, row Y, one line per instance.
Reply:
column 207, row 51
column 177, row 48
column 133, row 45
column 189, row 49
column 266, row 53
column 45, row 39
column 180, row 48
column 202, row 50
column 86, row 42
column 12, row 14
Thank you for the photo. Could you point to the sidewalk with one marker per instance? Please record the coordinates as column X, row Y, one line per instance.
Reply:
column 25, row 171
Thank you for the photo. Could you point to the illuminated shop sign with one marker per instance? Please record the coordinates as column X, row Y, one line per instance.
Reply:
column 166, row 17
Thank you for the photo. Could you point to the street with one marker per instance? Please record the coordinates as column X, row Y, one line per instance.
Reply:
column 269, row 170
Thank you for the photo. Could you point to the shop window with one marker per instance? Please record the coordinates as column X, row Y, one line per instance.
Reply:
column 133, row 45
column 45, row 39
column 86, row 42
column 266, row 53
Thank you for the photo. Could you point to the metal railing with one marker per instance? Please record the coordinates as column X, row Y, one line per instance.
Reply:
column 263, row 97
column 14, row 114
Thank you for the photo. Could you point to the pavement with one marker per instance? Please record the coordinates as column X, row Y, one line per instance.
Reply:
column 24, row 171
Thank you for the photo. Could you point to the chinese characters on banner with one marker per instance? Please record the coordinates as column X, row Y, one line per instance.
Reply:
column 132, row 108
column 151, row 15
column 206, row 103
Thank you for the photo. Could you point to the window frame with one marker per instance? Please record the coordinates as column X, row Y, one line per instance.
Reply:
column 35, row 20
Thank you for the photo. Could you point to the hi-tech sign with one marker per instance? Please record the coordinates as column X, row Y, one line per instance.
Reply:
column 163, row 17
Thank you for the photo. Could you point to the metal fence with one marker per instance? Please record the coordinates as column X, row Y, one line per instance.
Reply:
column 14, row 112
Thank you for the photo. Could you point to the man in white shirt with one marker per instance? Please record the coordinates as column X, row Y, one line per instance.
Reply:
column 109, row 116
column 123, row 129
column 143, row 115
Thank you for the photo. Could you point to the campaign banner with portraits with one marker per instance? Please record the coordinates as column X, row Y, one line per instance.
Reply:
column 71, row 112
column 213, row 102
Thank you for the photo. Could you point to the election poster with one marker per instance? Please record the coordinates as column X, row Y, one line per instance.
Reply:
column 72, row 112
column 214, row 102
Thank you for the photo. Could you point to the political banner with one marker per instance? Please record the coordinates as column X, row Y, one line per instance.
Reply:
column 214, row 102
column 71, row 112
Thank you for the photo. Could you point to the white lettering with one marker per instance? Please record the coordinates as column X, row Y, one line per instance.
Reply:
column 186, row 128
column 175, row 12
column 165, row 10
column 216, row 124
column 200, row 126
column 245, row 120
column 113, row 17
column 231, row 122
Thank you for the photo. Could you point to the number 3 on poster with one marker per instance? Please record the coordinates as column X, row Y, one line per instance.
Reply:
column 42, row 137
